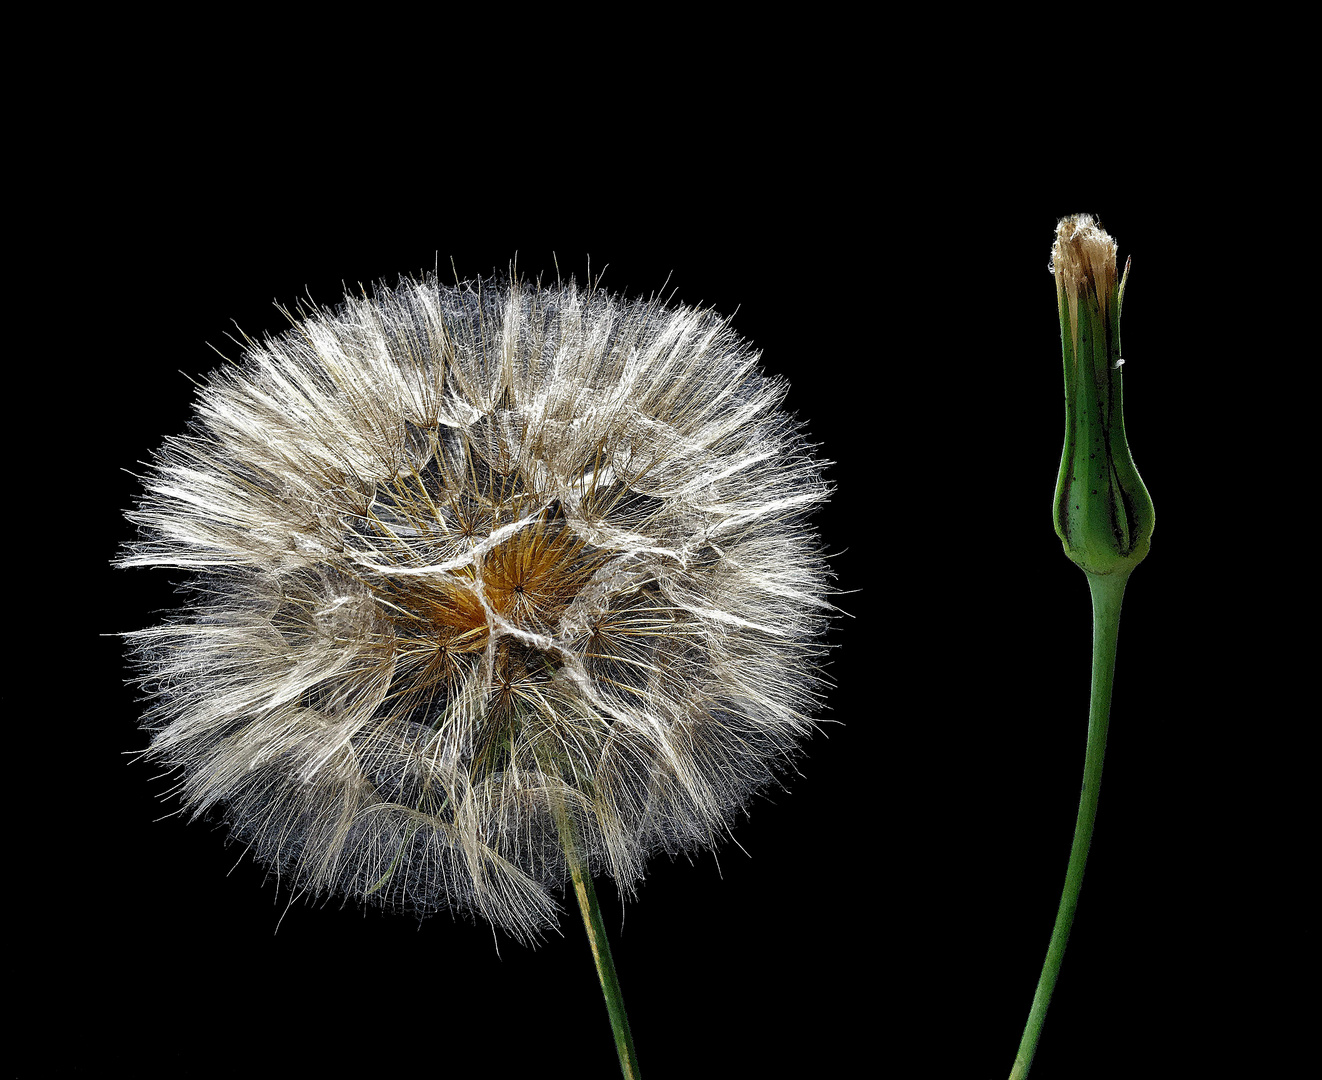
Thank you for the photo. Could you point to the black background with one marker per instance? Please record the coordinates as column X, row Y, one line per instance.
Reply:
column 889, row 913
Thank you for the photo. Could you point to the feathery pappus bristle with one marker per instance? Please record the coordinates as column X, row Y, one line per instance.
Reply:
column 471, row 562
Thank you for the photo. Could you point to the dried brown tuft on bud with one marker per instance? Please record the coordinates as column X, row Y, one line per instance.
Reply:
column 1083, row 260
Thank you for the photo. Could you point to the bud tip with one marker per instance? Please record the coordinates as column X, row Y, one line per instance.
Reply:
column 1083, row 259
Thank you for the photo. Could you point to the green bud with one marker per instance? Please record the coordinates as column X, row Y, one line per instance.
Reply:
column 1103, row 512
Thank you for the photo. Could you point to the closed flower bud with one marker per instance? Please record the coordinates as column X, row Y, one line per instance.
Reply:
column 1103, row 512
column 1104, row 519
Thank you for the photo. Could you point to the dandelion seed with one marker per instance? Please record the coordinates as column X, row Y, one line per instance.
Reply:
column 478, row 568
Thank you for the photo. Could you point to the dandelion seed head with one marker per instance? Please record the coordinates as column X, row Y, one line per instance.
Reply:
column 470, row 560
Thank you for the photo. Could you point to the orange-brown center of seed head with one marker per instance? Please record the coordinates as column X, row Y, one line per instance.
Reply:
column 528, row 581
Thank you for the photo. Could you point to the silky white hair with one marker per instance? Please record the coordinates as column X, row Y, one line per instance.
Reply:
column 475, row 565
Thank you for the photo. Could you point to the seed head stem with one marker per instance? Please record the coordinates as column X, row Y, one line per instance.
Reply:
column 600, row 945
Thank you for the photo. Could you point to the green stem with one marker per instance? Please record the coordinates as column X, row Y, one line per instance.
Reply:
column 1107, row 593
column 601, row 952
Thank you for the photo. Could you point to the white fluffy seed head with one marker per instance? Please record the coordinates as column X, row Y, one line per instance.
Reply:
column 471, row 560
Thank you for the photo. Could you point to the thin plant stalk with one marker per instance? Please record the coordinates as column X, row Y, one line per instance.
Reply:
column 601, row 956
column 601, row 948
column 598, row 941
column 1108, row 591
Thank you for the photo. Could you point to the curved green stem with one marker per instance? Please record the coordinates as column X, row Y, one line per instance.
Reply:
column 1107, row 593
column 601, row 951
